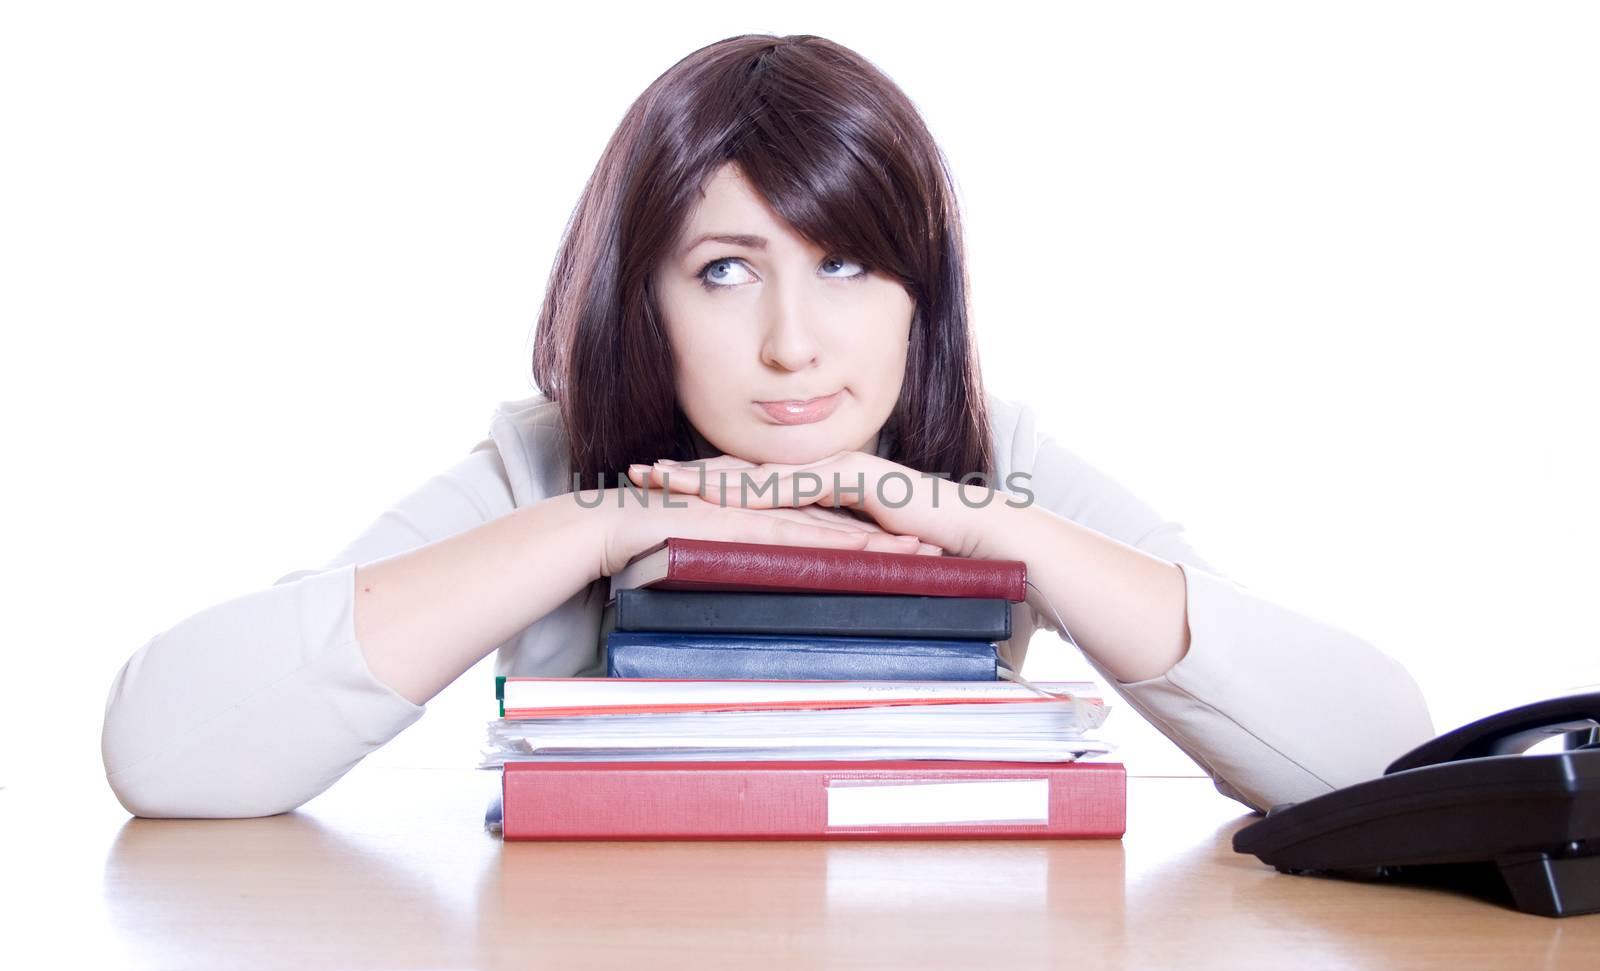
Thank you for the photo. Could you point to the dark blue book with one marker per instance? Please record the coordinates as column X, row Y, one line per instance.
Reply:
column 823, row 614
column 717, row 657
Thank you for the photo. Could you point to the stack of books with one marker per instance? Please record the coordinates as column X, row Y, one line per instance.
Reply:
column 793, row 692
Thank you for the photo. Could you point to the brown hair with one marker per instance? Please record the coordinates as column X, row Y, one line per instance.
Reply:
column 842, row 155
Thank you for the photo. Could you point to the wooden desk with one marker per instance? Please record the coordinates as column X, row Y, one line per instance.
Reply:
column 347, row 882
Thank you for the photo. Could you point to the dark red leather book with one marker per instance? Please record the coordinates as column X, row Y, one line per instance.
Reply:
column 700, row 564
column 812, row 800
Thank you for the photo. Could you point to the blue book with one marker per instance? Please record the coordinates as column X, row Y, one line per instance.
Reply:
column 820, row 614
column 717, row 657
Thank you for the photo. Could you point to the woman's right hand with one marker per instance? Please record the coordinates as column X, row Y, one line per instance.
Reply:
column 628, row 525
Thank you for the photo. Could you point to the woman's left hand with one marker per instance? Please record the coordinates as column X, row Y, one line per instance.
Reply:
column 901, row 500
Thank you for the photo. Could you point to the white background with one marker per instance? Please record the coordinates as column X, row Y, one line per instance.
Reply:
column 1319, row 282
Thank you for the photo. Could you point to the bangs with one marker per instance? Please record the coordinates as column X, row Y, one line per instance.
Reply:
column 840, row 167
column 834, row 186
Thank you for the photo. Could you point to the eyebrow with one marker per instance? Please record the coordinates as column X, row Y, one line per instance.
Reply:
column 733, row 239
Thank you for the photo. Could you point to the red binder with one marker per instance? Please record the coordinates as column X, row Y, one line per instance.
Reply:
column 699, row 564
column 812, row 800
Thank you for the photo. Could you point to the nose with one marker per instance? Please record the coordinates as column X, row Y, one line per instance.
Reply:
column 790, row 338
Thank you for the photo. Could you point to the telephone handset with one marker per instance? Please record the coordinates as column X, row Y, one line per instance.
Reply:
column 1460, row 805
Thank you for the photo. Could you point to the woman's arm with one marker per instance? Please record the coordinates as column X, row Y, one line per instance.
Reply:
column 423, row 617
column 254, row 706
column 1276, row 706
column 426, row 616
column 1125, row 608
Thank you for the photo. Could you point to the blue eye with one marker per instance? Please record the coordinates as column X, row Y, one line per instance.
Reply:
column 714, row 275
column 715, row 271
column 835, row 261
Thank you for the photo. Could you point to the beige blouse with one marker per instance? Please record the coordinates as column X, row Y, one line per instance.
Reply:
column 1273, row 705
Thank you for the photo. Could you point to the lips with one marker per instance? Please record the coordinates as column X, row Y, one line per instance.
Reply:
column 801, row 412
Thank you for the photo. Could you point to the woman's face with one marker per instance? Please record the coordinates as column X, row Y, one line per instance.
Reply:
column 763, row 323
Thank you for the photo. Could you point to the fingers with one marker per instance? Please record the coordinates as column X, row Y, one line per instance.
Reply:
column 808, row 525
column 786, row 532
column 877, row 538
column 810, row 514
column 753, row 486
column 686, row 479
column 838, row 518
column 710, row 465
column 890, row 543
column 844, row 520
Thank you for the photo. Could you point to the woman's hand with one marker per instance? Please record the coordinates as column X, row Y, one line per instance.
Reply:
column 903, row 501
column 633, row 523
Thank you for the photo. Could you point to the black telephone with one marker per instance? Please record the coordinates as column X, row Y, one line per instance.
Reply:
column 1456, row 809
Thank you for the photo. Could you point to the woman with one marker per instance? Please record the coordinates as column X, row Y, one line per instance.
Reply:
column 764, row 272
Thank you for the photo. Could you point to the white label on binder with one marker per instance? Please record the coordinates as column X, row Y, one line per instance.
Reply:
column 934, row 803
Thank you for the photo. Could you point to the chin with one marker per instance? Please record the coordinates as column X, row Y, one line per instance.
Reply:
column 801, row 445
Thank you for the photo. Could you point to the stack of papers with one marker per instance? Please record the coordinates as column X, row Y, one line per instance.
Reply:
column 588, row 719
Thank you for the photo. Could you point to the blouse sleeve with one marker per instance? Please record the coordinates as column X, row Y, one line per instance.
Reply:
column 1275, row 706
column 255, row 705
